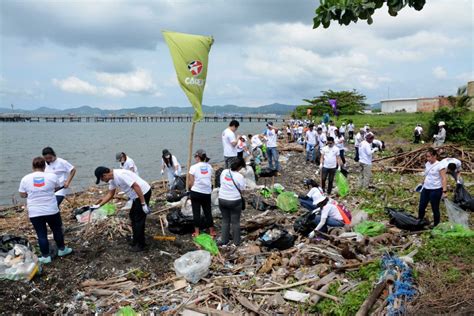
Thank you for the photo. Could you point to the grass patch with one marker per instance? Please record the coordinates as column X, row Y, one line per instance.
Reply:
column 446, row 249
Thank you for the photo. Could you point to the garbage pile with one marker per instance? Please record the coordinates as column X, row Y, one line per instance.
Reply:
column 17, row 260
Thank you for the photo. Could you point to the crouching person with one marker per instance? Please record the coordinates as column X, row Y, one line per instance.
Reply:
column 331, row 215
column 309, row 200
column 38, row 188
column 137, row 190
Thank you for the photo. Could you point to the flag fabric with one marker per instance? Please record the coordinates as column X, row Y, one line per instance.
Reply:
column 190, row 55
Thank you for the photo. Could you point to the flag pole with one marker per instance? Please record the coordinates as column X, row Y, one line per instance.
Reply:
column 190, row 154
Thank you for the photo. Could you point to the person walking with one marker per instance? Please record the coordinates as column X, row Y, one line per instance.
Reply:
column 230, row 201
column 330, row 162
column 434, row 186
column 350, row 129
column 342, row 130
column 137, row 190
column 365, row 160
column 440, row 138
column 62, row 169
column 39, row 189
column 272, row 150
column 339, row 141
column 126, row 162
column 311, row 136
column 358, row 140
column 230, row 140
column 172, row 166
column 331, row 129
column 199, row 181
column 322, row 139
column 418, row 133
column 288, row 133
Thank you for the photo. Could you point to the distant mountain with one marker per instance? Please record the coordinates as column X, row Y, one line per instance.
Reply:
column 275, row 108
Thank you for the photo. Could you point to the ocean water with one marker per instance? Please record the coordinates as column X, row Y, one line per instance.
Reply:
column 88, row 145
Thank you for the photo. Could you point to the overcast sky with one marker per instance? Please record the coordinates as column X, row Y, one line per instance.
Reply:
column 111, row 54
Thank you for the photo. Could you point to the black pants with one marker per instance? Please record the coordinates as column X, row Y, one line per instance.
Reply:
column 54, row 222
column 417, row 139
column 351, row 134
column 199, row 200
column 231, row 211
column 240, row 154
column 356, row 158
column 434, row 198
column 59, row 199
column 343, row 157
column 325, row 174
column 138, row 219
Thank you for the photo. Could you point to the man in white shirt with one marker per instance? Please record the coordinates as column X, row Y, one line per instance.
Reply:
column 300, row 130
column 137, row 190
column 358, row 139
column 272, row 151
column 331, row 129
column 311, row 136
column 230, row 140
column 350, row 129
column 417, row 133
column 441, row 136
column 330, row 162
column 365, row 160
column 452, row 166
column 322, row 139
column 342, row 130
column 126, row 162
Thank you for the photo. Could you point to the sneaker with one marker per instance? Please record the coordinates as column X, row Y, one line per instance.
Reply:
column 66, row 251
column 44, row 260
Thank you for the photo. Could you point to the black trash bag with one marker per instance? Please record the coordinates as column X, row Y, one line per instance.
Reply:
column 178, row 223
column 405, row 221
column 179, row 183
column 175, row 196
column 267, row 173
column 344, row 172
column 217, row 180
column 463, row 198
column 277, row 237
column 305, row 224
column 80, row 210
column 259, row 204
column 8, row 241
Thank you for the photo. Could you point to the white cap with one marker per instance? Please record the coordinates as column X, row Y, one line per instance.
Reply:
column 319, row 199
column 441, row 123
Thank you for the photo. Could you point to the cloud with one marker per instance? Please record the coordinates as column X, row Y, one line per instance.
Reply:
column 139, row 81
column 110, row 64
column 75, row 85
column 439, row 72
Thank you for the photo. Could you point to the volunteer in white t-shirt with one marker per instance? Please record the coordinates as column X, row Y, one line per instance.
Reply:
column 330, row 162
column 61, row 168
column 330, row 216
column 453, row 167
column 230, row 201
column 417, row 133
column 331, row 129
column 311, row 136
column 126, row 162
column 350, row 129
column 339, row 141
column 434, row 186
column 172, row 166
column 38, row 188
column 365, row 160
column 199, row 181
column 272, row 151
column 309, row 201
column 137, row 190
column 230, row 140
column 358, row 139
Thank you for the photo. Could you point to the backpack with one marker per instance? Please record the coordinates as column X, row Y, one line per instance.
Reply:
column 345, row 213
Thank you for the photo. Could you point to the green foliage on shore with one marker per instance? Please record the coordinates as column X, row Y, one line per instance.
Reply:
column 459, row 124
column 348, row 102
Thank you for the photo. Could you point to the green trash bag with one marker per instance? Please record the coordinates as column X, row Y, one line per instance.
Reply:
column 108, row 209
column 126, row 311
column 288, row 202
column 451, row 230
column 266, row 193
column 371, row 229
column 278, row 188
column 264, row 149
column 207, row 243
column 342, row 184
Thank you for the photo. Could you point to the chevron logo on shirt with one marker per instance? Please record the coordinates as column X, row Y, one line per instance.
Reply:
column 228, row 177
column 204, row 170
column 38, row 182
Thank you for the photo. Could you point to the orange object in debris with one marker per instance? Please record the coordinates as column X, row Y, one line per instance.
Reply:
column 170, row 238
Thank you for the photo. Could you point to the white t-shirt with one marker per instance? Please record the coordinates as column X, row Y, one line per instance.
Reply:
column 271, row 138
column 175, row 163
column 124, row 179
column 419, row 129
column 350, row 127
column 358, row 139
column 377, row 143
column 331, row 131
column 311, row 136
column 300, row 129
column 365, row 153
column 228, row 191
column 129, row 164
column 40, row 187
column 447, row 161
column 322, row 139
column 315, row 193
column 331, row 211
column 228, row 136
column 342, row 129
column 339, row 141
column 202, row 172
column 432, row 176
column 330, row 155
column 256, row 141
column 61, row 168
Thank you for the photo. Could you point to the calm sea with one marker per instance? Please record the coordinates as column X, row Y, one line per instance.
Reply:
column 88, row 145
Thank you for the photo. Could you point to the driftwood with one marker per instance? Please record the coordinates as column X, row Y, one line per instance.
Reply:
column 288, row 286
column 321, row 293
column 370, row 301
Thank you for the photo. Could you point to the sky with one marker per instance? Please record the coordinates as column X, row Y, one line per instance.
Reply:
column 111, row 54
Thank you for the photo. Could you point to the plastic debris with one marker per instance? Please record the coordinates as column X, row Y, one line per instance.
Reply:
column 451, row 230
column 20, row 263
column 288, row 202
column 369, row 228
column 342, row 184
column 193, row 266
column 207, row 243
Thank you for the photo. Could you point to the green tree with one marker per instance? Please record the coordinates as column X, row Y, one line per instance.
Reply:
column 347, row 11
column 348, row 102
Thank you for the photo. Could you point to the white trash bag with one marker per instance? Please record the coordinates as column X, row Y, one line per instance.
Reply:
column 193, row 266
column 20, row 263
column 456, row 214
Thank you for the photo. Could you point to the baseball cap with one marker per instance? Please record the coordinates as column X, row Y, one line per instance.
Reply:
column 99, row 172
column 270, row 124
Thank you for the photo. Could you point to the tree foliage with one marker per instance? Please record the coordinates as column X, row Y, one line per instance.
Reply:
column 459, row 126
column 348, row 102
column 347, row 11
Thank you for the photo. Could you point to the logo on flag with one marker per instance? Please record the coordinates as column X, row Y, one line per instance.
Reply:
column 204, row 170
column 227, row 177
column 195, row 67
column 38, row 182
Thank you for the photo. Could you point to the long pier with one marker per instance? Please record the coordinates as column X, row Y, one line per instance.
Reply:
column 28, row 118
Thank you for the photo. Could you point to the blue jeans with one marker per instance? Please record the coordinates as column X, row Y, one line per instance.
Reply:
column 272, row 153
column 329, row 222
column 54, row 222
column 433, row 196
column 310, row 152
column 307, row 204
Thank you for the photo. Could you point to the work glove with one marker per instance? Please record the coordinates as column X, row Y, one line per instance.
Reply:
column 146, row 209
column 376, row 149
column 312, row 234
column 339, row 168
column 95, row 206
column 162, row 171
